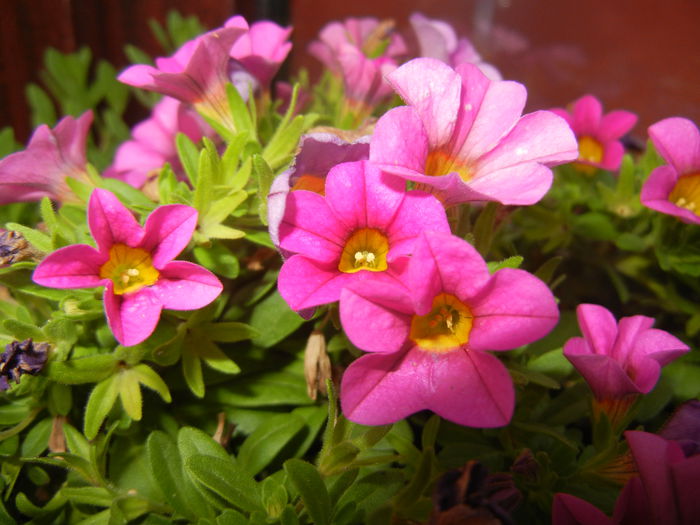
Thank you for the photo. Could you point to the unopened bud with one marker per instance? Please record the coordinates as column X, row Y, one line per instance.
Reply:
column 317, row 365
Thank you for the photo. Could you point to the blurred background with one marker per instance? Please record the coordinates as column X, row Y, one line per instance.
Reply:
column 639, row 55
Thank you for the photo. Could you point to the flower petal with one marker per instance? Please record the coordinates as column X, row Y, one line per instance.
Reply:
column 615, row 124
column 656, row 191
column 598, row 326
column 513, row 309
column 605, row 376
column 400, row 139
column 678, row 141
column 586, row 114
column 132, row 317
column 184, row 285
column 76, row 266
column 167, row 231
column 111, row 222
column 419, row 211
column 570, row 510
column 519, row 185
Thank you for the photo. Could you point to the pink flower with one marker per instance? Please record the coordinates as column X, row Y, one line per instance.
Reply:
column 153, row 143
column 134, row 264
column 437, row 39
column 666, row 492
column 597, row 134
column 262, row 49
column 318, row 153
column 362, row 51
column 197, row 73
column 51, row 156
column 674, row 189
column 430, row 336
column 620, row 360
column 364, row 226
column 463, row 135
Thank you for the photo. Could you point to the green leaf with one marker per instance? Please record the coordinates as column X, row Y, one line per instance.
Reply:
column 37, row 439
column 484, row 228
column 192, row 441
column 273, row 318
column 192, row 370
column 149, row 378
column 42, row 109
column 219, row 259
column 98, row 496
column 511, row 262
column 230, row 332
column 166, row 470
column 215, row 358
column 225, row 480
column 232, row 517
column 307, row 481
column 99, row 404
column 219, row 231
column 76, row 442
column 266, row 442
column 21, row 331
column 88, row 369
column 130, row 394
column 39, row 240
column 264, row 176
column 264, row 389
column 240, row 113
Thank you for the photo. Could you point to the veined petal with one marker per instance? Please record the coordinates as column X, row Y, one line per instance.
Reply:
column 678, row 141
column 132, row 317
column 186, row 286
column 419, row 211
column 167, row 231
column 519, row 185
column 376, row 318
column 513, row 309
column 400, row 139
column 111, row 222
column 76, row 266
column 433, row 89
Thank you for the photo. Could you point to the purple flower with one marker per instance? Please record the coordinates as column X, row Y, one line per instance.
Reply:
column 134, row 264
column 674, row 189
column 463, row 136
column 597, row 134
column 51, row 156
column 430, row 336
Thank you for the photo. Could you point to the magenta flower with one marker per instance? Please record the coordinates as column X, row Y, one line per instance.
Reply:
column 620, row 360
column 437, row 39
column 262, row 49
column 364, row 226
column 153, row 143
column 134, row 264
column 463, row 135
column 197, row 73
column 597, row 134
column 430, row 336
column 674, row 189
column 318, row 153
column 666, row 492
column 41, row 169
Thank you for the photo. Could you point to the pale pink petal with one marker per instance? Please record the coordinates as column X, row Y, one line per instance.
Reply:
column 587, row 112
column 419, row 211
column 436, row 39
column 76, row 266
column 660, row 346
column 132, row 317
column 570, row 510
column 310, row 227
column 362, row 197
column 515, row 308
column 111, row 222
column 628, row 330
column 439, row 264
column 615, row 124
column 71, row 136
column 168, row 230
column 433, row 89
column 678, row 141
column 400, row 139
column 376, row 319
column 184, row 285
column 598, row 326
column 540, row 137
column 519, row 185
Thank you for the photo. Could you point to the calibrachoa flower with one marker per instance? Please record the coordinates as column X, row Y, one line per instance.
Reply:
column 153, row 143
column 597, row 134
column 666, row 492
column 362, row 51
column 318, row 153
column 134, row 264
column 197, row 73
column 674, row 189
column 463, row 135
column 363, row 227
column 437, row 39
column 41, row 169
column 430, row 337
column 619, row 361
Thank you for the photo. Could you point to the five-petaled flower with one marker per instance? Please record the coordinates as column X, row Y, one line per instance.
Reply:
column 597, row 134
column 674, row 189
column 364, row 226
column 463, row 135
column 134, row 264
column 430, row 336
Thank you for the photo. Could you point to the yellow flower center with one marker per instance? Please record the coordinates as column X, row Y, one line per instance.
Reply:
column 589, row 150
column 446, row 327
column 310, row 183
column 440, row 163
column 686, row 193
column 366, row 249
column 130, row 269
